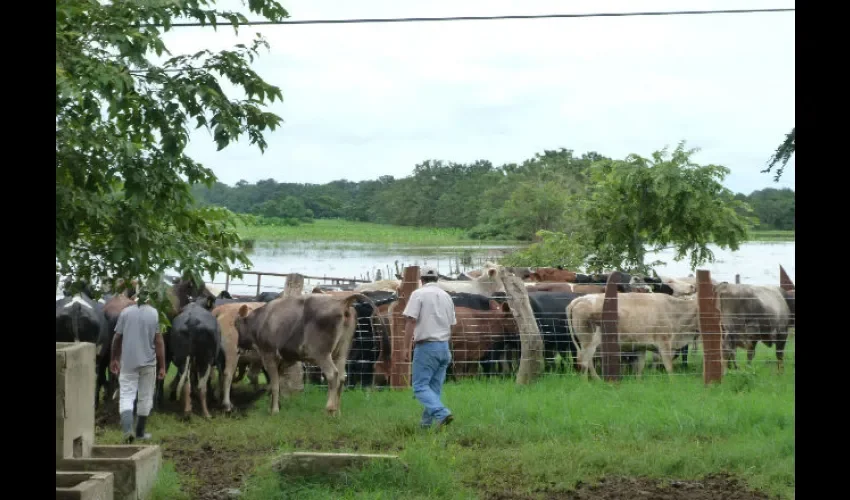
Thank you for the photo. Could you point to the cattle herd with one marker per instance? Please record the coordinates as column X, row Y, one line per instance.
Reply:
column 345, row 336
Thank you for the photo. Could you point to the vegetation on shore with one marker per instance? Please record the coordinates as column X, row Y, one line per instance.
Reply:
column 506, row 438
column 367, row 232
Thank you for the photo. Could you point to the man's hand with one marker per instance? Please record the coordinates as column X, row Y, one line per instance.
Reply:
column 161, row 373
column 114, row 366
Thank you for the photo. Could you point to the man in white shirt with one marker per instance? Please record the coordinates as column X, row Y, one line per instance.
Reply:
column 429, row 316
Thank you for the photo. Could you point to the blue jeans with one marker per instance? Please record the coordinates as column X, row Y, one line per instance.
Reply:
column 430, row 361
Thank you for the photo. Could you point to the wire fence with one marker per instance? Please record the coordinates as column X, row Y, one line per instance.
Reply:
column 657, row 334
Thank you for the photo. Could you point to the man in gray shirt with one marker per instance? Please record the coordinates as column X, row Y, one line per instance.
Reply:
column 430, row 315
column 139, row 346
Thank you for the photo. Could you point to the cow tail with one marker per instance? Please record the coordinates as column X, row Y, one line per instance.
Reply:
column 183, row 376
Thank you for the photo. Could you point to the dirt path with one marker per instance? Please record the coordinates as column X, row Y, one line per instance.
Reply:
column 625, row 488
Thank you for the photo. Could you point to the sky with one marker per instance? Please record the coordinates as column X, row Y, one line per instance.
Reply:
column 366, row 100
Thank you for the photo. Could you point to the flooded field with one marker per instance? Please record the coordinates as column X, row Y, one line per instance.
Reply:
column 756, row 262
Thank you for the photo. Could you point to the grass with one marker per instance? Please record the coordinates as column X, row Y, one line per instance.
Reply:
column 772, row 235
column 363, row 232
column 506, row 438
column 367, row 232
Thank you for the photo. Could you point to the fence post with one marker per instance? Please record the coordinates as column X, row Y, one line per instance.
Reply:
column 293, row 377
column 401, row 344
column 737, row 279
column 259, row 278
column 610, row 347
column 709, row 327
column 531, row 343
column 227, row 282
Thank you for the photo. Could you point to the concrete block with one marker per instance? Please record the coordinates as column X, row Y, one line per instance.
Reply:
column 135, row 467
column 309, row 463
column 84, row 486
column 75, row 382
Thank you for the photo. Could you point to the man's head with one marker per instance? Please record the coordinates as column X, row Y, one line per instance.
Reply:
column 428, row 274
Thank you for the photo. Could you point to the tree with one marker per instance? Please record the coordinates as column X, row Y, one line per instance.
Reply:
column 638, row 205
column 124, row 208
column 782, row 155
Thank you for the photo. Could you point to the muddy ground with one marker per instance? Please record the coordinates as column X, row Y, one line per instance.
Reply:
column 712, row 487
column 209, row 471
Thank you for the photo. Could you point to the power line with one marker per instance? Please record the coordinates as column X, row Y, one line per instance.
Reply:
column 487, row 18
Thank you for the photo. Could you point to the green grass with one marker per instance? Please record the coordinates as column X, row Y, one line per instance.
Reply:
column 364, row 232
column 772, row 235
column 546, row 436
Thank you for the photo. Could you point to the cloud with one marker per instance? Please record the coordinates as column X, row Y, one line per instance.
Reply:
column 361, row 101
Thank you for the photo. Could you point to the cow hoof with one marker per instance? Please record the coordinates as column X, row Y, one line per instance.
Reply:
column 228, row 408
column 332, row 412
column 187, row 416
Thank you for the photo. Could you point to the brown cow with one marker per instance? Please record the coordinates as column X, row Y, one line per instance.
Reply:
column 478, row 332
column 316, row 328
column 226, row 315
column 560, row 286
column 553, row 274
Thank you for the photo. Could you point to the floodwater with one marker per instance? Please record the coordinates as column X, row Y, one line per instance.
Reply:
column 756, row 262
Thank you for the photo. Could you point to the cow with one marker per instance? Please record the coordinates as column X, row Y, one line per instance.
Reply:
column 679, row 287
column 266, row 296
column 549, row 310
column 195, row 344
column 486, row 284
column 485, row 331
column 751, row 314
column 559, row 286
column 111, row 310
column 79, row 319
column 226, row 315
column 314, row 328
column 646, row 321
column 552, row 274
column 382, row 285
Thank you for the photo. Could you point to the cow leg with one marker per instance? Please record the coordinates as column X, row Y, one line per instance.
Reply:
column 640, row 363
column 202, row 389
column 226, row 381
column 780, row 351
column 667, row 359
column 270, row 363
column 334, row 378
column 751, row 353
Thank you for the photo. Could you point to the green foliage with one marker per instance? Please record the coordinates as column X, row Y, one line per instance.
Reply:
column 774, row 208
column 554, row 249
column 339, row 230
column 782, row 154
column 639, row 205
column 124, row 207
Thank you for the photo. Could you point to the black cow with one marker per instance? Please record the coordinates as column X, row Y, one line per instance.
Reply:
column 550, row 312
column 195, row 346
column 80, row 319
column 371, row 339
column 266, row 297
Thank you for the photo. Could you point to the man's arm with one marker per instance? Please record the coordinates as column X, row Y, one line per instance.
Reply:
column 411, row 313
column 116, row 347
column 159, row 346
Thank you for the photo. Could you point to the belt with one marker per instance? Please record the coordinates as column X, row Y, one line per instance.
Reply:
column 419, row 342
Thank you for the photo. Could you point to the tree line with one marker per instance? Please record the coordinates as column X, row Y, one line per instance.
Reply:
column 512, row 201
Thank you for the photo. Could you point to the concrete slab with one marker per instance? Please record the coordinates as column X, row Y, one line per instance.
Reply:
column 135, row 467
column 84, row 485
column 75, row 382
column 310, row 463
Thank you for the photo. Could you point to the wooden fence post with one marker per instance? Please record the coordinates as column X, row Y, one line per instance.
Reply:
column 737, row 279
column 293, row 378
column 401, row 345
column 259, row 278
column 709, row 327
column 531, row 343
column 610, row 347
column 227, row 282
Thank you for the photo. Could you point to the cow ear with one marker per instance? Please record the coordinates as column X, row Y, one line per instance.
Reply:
column 210, row 302
column 506, row 308
column 243, row 311
column 491, row 272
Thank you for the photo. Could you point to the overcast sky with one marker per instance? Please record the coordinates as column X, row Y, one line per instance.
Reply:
column 366, row 100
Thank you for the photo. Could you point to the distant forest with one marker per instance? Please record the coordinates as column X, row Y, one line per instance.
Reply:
column 511, row 201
